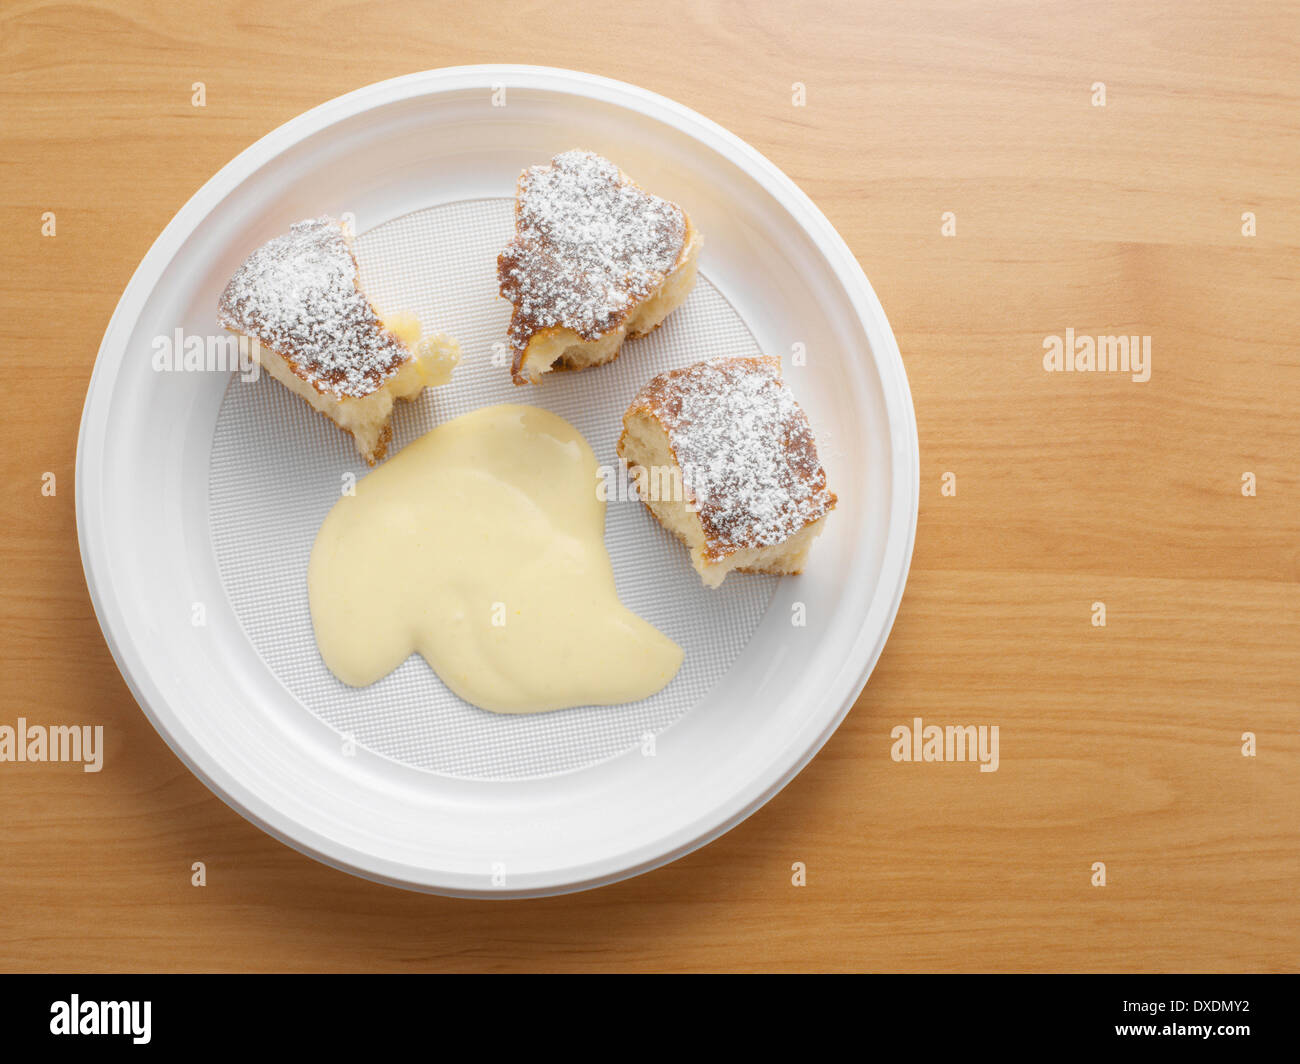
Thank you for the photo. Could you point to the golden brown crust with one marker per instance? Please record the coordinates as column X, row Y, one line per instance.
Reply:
column 381, row 446
column 560, row 278
column 300, row 295
column 747, row 456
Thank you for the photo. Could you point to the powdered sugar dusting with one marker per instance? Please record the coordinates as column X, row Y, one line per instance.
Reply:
column 589, row 246
column 745, row 449
column 298, row 295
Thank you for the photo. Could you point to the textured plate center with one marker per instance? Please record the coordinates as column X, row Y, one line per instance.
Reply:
column 277, row 467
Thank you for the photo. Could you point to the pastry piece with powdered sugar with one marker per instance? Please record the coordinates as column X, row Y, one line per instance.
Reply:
column 724, row 458
column 299, row 297
column 594, row 260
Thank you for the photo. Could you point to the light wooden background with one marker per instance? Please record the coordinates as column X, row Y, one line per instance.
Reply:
column 1119, row 744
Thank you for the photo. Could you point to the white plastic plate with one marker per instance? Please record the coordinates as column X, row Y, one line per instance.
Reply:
column 194, row 537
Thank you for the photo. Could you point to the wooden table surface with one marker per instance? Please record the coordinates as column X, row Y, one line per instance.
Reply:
column 1119, row 744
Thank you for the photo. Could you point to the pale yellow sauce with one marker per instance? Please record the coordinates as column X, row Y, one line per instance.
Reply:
column 481, row 547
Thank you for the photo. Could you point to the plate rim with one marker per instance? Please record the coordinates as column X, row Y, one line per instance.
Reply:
column 905, row 490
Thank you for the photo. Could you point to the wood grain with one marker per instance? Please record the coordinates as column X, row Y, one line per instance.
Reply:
column 1118, row 744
